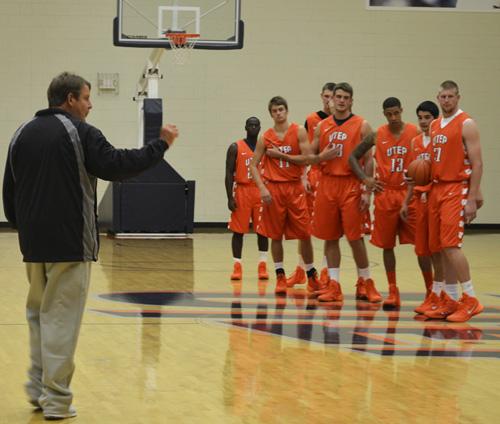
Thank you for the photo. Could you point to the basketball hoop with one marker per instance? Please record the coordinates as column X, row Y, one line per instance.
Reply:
column 181, row 45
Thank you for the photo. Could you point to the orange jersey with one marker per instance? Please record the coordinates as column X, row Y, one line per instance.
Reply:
column 280, row 170
column 420, row 151
column 393, row 155
column 347, row 136
column 244, row 156
column 449, row 159
column 312, row 121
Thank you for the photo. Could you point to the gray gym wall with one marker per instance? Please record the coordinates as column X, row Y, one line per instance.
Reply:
column 291, row 48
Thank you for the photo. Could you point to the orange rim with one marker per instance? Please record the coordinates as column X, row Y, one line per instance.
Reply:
column 180, row 38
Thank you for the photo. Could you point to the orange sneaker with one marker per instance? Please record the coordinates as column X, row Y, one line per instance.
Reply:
column 468, row 306
column 435, row 303
column 323, row 287
column 393, row 300
column 281, row 285
column 445, row 307
column 430, row 300
column 333, row 293
column 361, row 289
column 323, row 276
column 313, row 285
column 262, row 271
column 298, row 277
column 237, row 271
column 372, row 295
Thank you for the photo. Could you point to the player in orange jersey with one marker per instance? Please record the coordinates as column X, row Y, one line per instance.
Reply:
column 453, row 200
column 282, row 190
column 421, row 148
column 392, row 156
column 243, row 198
column 340, row 203
column 312, row 121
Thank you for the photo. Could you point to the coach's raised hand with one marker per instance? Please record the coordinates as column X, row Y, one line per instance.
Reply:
column 169, row 133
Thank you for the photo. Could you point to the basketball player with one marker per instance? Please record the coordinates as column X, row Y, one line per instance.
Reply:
column 340, row 203
column 312, row 120
column 421, row 148
column 282, row 190
column 392, row 156
column 453, row 200
column 243, row 198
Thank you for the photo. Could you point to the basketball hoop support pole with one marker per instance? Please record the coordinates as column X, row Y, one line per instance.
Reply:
column 147, row 88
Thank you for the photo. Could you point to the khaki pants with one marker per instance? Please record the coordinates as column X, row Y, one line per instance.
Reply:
column 54, row 309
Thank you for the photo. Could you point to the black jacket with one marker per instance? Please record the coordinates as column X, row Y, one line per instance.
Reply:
column 49, row 187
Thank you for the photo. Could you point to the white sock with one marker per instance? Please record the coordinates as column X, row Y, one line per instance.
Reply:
column 364, row 273
column 324, row 263
column 278, row 265
column 309, row 267
column 334, row 274
column 262, row 256
column 452, row 290
column 437, row 287
column 301, row 262
column 237, row 260
column 468, row 289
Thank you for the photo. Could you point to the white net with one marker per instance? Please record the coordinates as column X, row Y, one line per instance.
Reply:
column 181, row 46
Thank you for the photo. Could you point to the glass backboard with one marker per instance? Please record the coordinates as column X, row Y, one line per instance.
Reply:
column 144, row 23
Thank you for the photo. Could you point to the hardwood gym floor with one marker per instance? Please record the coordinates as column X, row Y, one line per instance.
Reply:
column 167, row 338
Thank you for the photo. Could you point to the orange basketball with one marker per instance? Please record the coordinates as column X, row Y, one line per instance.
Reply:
column 420, row 171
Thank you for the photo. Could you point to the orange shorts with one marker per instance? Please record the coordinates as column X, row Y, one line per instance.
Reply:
column 387, row 223
column 313, row 177
column 422, row 225
column 367, row 223
column 336, row 209
column 248, row 203
column 287, row 214
column 446, row 214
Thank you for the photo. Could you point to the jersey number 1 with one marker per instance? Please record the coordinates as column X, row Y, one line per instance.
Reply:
column 284, row 164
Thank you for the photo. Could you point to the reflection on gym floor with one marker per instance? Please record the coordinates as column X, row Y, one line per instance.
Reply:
column 356, row 325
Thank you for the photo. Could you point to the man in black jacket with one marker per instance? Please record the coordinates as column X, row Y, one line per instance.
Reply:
column 49, row 195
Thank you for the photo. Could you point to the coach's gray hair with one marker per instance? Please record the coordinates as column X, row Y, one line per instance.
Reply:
column 64, row 84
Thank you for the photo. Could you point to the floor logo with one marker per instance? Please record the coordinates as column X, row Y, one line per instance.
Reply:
column 355, row 325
